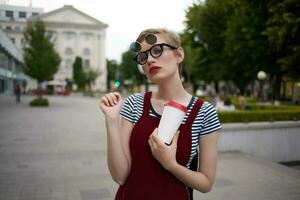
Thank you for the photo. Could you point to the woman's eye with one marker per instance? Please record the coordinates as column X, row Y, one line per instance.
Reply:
column 156, row 51
column 142, row 57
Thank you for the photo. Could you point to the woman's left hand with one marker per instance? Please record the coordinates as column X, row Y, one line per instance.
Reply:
column 165, row 154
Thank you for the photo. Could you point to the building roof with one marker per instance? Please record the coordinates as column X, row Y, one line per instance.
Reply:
column 70, row 8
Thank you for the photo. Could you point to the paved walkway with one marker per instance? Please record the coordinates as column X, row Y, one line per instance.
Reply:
column 58, row 153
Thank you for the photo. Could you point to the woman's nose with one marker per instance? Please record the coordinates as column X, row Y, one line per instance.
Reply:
column 150, row 58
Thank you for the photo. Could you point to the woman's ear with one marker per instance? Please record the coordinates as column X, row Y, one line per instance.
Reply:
column 180, row 55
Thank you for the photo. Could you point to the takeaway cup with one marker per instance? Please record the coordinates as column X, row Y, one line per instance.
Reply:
column 170, row 121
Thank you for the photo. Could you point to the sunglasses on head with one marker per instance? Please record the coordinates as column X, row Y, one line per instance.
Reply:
column 155, row 51
column 149, row 39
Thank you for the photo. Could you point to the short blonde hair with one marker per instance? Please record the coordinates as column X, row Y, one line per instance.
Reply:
column 171, row 38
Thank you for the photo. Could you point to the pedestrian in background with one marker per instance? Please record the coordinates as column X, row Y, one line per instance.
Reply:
column 139, row 161
column 18, row 93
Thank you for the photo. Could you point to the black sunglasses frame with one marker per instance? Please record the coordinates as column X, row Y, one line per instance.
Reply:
column 161, row 45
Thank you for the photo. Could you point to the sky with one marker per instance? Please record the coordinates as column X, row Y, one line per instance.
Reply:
column 125, row 18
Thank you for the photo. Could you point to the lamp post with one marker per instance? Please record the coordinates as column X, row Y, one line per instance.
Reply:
column 261, row 76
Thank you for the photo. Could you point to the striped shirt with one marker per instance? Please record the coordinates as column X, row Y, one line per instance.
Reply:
column 205, row 122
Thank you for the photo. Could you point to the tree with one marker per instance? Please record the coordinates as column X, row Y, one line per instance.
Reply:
column 90, row 76
column 41, row 61
column 230, row 36
column 206, row 23
column 129, row 69
column 190, row 64
column 79, row 76
column 283, row 30
column 245, row 48
column 112, row 67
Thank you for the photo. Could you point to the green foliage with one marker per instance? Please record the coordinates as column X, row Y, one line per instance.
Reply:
column 191, row 57
column 91, row 75
column 248, row 100
column 112, row 67
column 234, row 39
column 245, row 48
column 129, row 69
column 79, row 76
column 259, row 115
column 283, row 30
column 206, row 23
column 256, row 107
column 39, row 102
column 41, row 61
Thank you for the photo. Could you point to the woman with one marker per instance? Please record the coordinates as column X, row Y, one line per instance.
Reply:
column 138, row 160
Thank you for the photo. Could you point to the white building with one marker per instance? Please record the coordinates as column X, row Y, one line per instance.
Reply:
column 77, row 34
column 13, row 21
column 74, row 33
column 10, row 66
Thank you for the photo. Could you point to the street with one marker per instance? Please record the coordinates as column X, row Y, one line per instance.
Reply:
column 59, row 153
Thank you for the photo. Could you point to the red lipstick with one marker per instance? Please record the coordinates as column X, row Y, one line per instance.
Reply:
column 154, row 69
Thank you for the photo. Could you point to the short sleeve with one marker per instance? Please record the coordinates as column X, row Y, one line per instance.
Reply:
column 128, row 109
column 211, row 121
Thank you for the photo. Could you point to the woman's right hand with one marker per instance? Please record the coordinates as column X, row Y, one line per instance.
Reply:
column 111, row 104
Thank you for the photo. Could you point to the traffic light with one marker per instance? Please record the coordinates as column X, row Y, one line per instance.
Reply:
column 117, row 83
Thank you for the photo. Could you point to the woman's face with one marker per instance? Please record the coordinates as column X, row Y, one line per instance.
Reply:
column 166, row 65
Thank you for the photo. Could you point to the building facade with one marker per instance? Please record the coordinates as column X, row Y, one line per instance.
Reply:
column 13, row 21
column 10, row 66
column 73, row 33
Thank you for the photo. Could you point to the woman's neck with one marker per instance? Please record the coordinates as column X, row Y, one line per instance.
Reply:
column 172, row 91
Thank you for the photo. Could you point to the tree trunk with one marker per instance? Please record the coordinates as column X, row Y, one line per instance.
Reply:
column 277, row 87
column 39, row 90
column 294, row 92
column 216, row 84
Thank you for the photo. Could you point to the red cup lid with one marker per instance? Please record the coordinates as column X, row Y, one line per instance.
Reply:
column 176, row 105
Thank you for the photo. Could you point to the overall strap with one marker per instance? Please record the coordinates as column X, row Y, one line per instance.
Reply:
column 190, row 120
column 194, row 112
column 147, row 102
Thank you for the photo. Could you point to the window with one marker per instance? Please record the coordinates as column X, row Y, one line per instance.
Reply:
column 69, row 35
column 3, row 60
column 17, row 28
column 13, row 40
column 86, row 64
column 68, row 51
column 86, row 52
column 9, row 13
column 8, row 28
column 22, row 14
column 87, row 36
column 34, row 14
column 68, row 64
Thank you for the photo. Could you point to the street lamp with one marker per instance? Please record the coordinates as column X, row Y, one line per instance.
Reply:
column 261, row 76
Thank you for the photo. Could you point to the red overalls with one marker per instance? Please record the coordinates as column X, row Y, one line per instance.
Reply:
column 148, row 180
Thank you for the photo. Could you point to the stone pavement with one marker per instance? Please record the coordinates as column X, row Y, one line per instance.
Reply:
column 59, row 153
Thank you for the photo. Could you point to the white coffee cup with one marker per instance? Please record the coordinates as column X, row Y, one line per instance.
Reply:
column 170, row 121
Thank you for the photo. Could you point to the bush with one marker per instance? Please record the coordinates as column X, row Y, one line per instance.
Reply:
column 39, row 102
column 259, row 115
column 270, row 107
column 248, row 100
